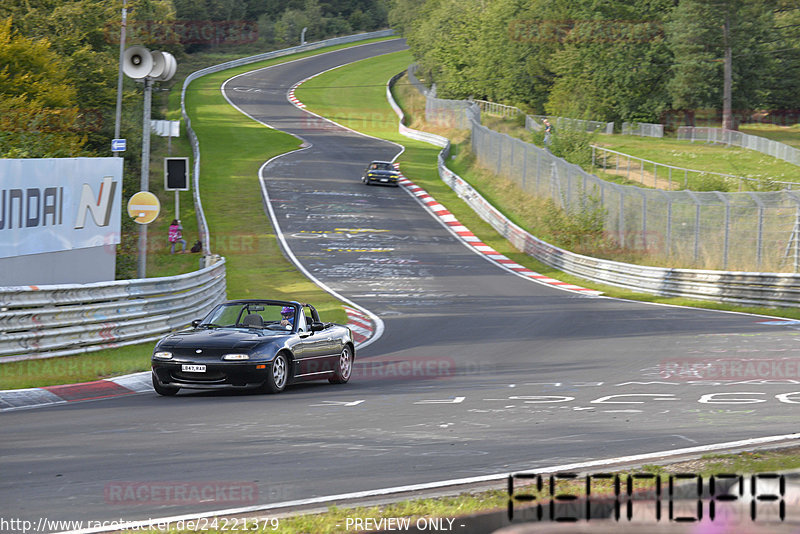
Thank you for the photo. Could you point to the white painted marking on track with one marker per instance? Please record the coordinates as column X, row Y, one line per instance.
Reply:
column 454, row 400
column 339, row 403
column 497, row 477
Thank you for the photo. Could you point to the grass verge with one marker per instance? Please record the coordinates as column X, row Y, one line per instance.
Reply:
column 703, row 157
column 344, row 96
column 233, row 148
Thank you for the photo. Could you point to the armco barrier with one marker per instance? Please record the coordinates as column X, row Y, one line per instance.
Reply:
column 742, row 288
column 61, row 320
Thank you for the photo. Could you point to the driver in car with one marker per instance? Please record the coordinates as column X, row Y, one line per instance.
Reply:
column 287, row 316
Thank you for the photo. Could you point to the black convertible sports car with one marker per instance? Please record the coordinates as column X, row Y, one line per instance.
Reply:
column 252, row 343
column 381, row 172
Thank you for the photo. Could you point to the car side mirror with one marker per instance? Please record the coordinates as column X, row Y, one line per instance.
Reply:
column 196, row 323
column 317, row 327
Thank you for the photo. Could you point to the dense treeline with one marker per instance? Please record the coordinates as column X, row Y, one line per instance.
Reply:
column 59, row 59
column 647, row 60
column 59, row 63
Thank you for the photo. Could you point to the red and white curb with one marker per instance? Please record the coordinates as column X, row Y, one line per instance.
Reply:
column 15, row 399
column 472, row 241
column 464, row 234
column 293, row 99
column 359, row 323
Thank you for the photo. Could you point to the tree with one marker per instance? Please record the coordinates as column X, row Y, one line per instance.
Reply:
column 707, row 35
column 39, row 116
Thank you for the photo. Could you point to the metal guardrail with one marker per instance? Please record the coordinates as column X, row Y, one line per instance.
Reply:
column 742, row 288
column 61, row 320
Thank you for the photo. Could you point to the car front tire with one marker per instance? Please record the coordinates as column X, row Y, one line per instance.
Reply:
column 278, row 375
column 167, row 391
column 344, row 367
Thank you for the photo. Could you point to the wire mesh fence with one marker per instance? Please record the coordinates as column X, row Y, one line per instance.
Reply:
column 734, row 138
column 662, row 176
column 747, row 231
column 643, row 129
column 534, row 122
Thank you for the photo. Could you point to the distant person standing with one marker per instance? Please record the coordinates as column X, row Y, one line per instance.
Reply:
column 176, row 236
column 548, row 130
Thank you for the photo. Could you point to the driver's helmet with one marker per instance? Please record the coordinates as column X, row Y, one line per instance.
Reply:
column 287, row 311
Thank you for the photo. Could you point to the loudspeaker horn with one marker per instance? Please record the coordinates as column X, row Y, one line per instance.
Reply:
column 137, row 62
column 159, row 62
column 170, row 66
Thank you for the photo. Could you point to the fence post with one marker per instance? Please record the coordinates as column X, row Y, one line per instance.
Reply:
column 644, row 220
column 696, row 224
column 629, row 167
column 668, row 232
column 622, row 219
column 499, row 154
column 727, row 229
column 524, row 165
column 760, row 228
column 655, row 175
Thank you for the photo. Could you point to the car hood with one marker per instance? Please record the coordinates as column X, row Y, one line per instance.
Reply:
column 386, row 173
column 217, row 338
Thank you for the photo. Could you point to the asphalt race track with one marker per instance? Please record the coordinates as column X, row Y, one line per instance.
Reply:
column 478, row 371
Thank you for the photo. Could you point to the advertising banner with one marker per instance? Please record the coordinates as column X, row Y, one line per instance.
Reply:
column 59, row 204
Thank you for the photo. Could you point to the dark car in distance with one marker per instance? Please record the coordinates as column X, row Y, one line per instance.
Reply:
column 253, row 343
column 381, row 172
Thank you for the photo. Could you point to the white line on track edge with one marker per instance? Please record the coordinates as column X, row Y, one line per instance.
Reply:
column 379, row 331
column 379, row 326
column 454, row 482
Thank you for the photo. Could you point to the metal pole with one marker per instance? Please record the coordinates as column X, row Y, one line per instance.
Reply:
column 118, row 118
column 725, row 245
column 760, row 237
column 524, row 166
column 655, row 175
column 141, row 270
column 644, row 221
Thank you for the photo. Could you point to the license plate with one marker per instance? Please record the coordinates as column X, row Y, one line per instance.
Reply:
column 384, row 179
column 193, row 368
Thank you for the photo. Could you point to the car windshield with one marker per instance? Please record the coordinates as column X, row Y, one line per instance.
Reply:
column 261, row 315
column 382, row 166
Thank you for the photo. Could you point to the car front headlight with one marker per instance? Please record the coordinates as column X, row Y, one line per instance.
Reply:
column 230, row 357
column 162, row 355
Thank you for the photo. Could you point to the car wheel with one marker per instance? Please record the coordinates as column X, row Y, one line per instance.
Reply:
column 278, row 376
column 167, row 391
column 344, row 367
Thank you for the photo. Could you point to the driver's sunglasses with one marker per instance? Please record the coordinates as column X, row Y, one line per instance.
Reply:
column 287, row 314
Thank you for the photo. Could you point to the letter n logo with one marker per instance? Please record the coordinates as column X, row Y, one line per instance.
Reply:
column 100, row 208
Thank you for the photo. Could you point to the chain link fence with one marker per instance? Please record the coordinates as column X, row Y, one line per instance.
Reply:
column 534, row 122
column 734, row 138
column 746, row 231
column 662, row 176
column 643, row 129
